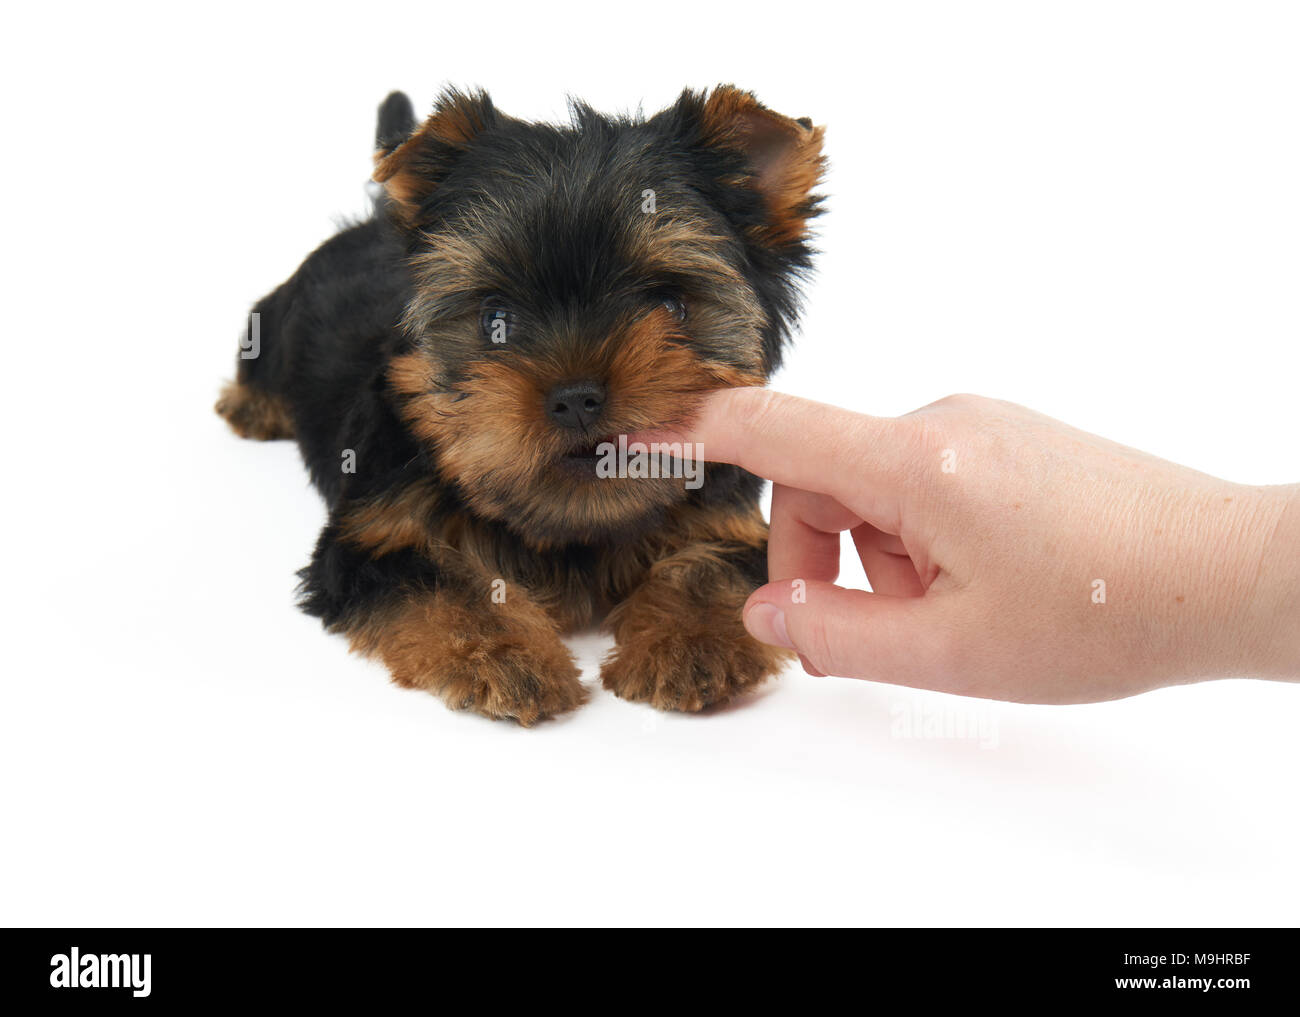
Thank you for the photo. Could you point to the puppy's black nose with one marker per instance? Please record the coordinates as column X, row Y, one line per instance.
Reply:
column 576, row 405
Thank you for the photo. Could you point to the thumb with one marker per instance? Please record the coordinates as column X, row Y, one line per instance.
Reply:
column 853, row 633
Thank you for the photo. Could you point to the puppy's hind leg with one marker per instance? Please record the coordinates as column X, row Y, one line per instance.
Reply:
column 255, row 413
column 252, row 404
column 286, row 325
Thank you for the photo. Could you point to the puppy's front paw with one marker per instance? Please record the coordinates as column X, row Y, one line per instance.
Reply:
column 694, row 665
column 512, row 686
column 498, row 662
column 509, row 683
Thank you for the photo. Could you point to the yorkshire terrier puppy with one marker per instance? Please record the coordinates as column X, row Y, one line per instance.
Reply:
column 455, row 368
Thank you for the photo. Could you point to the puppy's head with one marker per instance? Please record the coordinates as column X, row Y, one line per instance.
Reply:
column 576, row 283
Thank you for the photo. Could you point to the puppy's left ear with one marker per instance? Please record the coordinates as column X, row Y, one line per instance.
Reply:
column 758, row 149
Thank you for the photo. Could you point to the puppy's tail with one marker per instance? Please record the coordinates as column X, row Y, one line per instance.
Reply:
column 396, row 122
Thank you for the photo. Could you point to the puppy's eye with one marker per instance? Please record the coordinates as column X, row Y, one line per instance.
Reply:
column 674, row 306
column 496, row 321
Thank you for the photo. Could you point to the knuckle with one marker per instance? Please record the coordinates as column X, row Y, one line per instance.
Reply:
column 964, row 402
column 957, row 403
column 923, row 438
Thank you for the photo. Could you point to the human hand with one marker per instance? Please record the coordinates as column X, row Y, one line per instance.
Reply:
column 1011, row 556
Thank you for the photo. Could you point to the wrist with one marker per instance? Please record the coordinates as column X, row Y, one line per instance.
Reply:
column 1275, row 597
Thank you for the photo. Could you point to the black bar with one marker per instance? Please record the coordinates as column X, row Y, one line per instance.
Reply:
column 661, row 969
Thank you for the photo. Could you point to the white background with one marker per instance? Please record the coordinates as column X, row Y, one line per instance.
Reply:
column 1090, row 208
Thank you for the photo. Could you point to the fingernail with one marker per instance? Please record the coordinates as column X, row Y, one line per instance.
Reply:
column 767, row 624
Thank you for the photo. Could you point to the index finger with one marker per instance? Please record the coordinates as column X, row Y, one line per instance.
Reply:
column 796, row 442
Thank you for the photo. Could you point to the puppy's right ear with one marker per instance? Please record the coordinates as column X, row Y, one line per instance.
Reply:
column 411, row 170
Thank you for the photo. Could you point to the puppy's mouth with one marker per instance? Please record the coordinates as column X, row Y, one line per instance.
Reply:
column 582, row 458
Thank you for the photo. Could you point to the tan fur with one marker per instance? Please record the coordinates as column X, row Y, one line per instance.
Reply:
column 394, row 522
column 668, row 243
column 252, row 413
column 490, row 433
column 680, row 642
column 455, row 122
column 567, row 548
column 691, row 525
column 504, row 661
column 467, row 547
column 456, row 262
column 788, row 156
